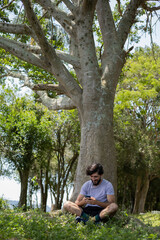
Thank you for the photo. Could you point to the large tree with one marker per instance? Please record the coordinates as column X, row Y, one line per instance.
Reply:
column 91, row 89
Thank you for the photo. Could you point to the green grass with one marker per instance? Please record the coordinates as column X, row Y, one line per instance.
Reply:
column 36, row 225
column 150, row 219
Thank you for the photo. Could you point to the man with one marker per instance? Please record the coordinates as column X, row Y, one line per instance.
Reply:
column 96, row 198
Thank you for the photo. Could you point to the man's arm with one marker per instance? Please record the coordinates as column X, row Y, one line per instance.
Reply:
column 81, row 200
column 93, row 201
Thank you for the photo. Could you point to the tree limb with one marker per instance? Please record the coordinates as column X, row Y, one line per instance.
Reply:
column 56, row 104
column 19, row 51
column 62, row 55
column 52, row 87
column 68, row 58
column 52, row 104
column 106, row 23
column 16, row 29
column 69, row 5
column 119, row 7
column 42, row 41
column 53, row 62
column 60, row 16
column 35, row 87
column 150, row 9
column 127, row 20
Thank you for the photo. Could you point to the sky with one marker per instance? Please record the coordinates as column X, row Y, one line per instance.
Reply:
column 9, row 188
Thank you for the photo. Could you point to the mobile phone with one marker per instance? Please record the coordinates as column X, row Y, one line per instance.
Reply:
column 87, row 196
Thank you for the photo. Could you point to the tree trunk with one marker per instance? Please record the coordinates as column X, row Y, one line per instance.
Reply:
column 141, row 193
column 97, row 142
column 24, row 185
column 44, row 189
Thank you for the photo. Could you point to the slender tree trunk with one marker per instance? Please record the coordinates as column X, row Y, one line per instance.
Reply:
column 43, row 202
column 24, row 185
column 141, row 193
column 30, row 196
column 44, row 189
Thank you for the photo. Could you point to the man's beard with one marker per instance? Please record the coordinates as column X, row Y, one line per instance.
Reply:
column 95, row 184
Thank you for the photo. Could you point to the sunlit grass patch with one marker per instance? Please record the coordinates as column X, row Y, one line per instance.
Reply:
column 152, row 219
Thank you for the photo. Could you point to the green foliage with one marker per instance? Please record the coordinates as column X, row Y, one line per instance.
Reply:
column 24, row 128
column 26, row 134
column 152, row 219
column 36, row 225
column 137, row 120
column 4, row 15
column 3, row 204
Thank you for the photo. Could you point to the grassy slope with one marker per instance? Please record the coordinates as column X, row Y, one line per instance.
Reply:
column 150, row 219
column 37, row 226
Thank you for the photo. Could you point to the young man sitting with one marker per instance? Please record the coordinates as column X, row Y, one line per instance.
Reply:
column 96, row 198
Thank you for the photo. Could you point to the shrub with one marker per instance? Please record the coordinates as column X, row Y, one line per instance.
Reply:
column 3, row 204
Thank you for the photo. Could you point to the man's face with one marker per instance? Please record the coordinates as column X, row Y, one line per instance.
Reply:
column 96, row 178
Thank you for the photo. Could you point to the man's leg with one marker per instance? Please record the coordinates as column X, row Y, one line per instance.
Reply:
column 72, row 208
column 109, row 211
column 106, row 213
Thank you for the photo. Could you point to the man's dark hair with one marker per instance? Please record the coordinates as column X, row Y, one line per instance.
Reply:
column 95, row 167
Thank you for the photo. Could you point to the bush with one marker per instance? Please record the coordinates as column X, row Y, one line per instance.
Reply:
column 3, row 204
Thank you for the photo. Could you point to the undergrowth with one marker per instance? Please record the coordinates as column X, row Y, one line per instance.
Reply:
column 150, row 218
column 36, row 225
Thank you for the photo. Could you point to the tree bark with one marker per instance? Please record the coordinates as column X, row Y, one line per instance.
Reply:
column 97, row 142
column 24, row 185
column 44, row 190
column 142, row 187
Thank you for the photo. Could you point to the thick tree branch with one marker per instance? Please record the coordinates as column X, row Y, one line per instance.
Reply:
column 86, row 44
column 35, row 87
column 51, row 59
column 64, row 103
column 127, row 20
column 52, row 104
column 62, row 55
column 52, row 87
column 42, row 41
column 60, row 16
column 69, row 5
column 68, row 58
column 106, row 23
column 16, row 29
column 19, row 51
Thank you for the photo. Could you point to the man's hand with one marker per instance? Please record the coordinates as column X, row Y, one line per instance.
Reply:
column 90, row 200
